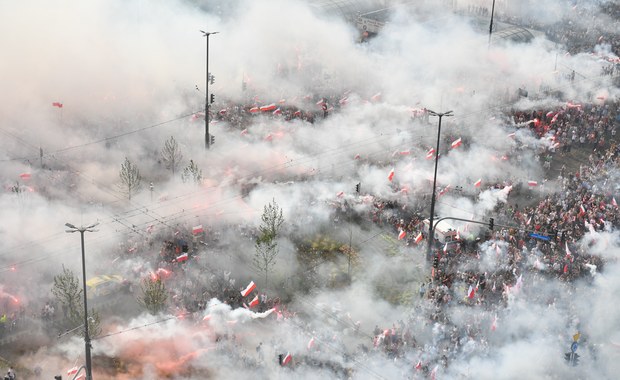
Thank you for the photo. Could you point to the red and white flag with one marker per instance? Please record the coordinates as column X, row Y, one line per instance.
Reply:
column 456, row 143
column 494, row 323
column 251, row 286
column 471, row 292
column 182, row 258
column 401, row 235
column 311, row 343
column 430, row 153
column 269, row 107
column 254, row 302
column 419, row 365
column 254, row 110
column 391, row 175
column 197, row 229
column 287, row 359
column 81, row 377
column 72, row 371
column 376, row 97
column 512, row 135
column 478, row 183
column 418, row 238
column 532, row 183
column 277, row 111
column 25, row 176
column 614, row 203
column 57, row 104
column 569, row 254
column 340, row 194
column 445, row 247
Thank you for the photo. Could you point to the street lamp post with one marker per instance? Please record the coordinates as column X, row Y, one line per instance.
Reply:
column 430, row 226
column 491, row 24
column 81, row 230
column 207, row 140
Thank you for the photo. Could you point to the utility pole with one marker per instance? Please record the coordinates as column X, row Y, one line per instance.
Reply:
column 207, row 140
column 491, row 25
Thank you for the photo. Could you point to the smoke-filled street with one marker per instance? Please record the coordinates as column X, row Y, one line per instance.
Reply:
column 309, row 189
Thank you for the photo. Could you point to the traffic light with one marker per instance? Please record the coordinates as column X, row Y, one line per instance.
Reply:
column 212, row 98
column 436, row 262
column 212, row 79
column 357, row 188
column 491, row 223
column 211, row 139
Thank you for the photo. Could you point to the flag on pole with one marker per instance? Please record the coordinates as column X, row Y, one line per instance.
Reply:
column 254, row 301
column 197, row 229
column 565, row 268
column 471, row 292
column 269, row 107
column 419, row 365
column 25, row 176
column 456, row 143
column 311, row 343
column 57, row 104
column 287, row 359
column 182, row 258
column 391, row 175
column 532, row 183
column 614, row 203
column 568, row 253
column 401, row 235
column 478, row 183
column 254, row 110
column 376, row 97
column 340, row 194
column 582, row 210
column 72, row 371
column 418, row 238
column 430, row 153
column 512, row 135
column 251, row 286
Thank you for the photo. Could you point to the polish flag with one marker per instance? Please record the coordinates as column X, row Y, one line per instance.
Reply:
column 418, row 238
column 182, row 258
column 197, row 115
column 340, row 194
column 376, row 97
column 512, row 135
column 287, row 359
column 532, row 183
column 269, row 107
column 223, row 111
column 456, row 143
column 343, row 101
column 391, row 175
column 549, row 114
column 72, row 371
column 614, row 203
column 419, row 365
column 254, row 302
column 565, row 268
column 278, row 111
column 57, row 104
column 25, row 176
column 321, row 102
column 254, row 110
column 401, row 235
column 311, row 343
column 445, row 248
column 458, row 234
column 478, row 183
column 251, row 286
column 405, row 152
column 149, row 228
column 471, row 292
column 430, row 153
column 81, row 377
column 297, row 114
column 244, row 132
column 569, row 254
column 197, row 229
column 357, row 157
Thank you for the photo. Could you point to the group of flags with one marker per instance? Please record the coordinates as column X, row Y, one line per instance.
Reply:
column 247, row 291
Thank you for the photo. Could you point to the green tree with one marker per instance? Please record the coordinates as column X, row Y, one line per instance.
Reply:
column 131, row 180
column 171, row 154
column 154, row 295
column 192, row 173
column 68, row 292
column 266, row 244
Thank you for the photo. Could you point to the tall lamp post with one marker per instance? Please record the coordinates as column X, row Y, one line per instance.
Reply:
column 491, row 24
column 430, row 226
column 207, row 140
column 81, row 230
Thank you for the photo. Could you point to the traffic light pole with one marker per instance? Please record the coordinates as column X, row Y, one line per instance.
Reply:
column 207, row 140
column 491, row 224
